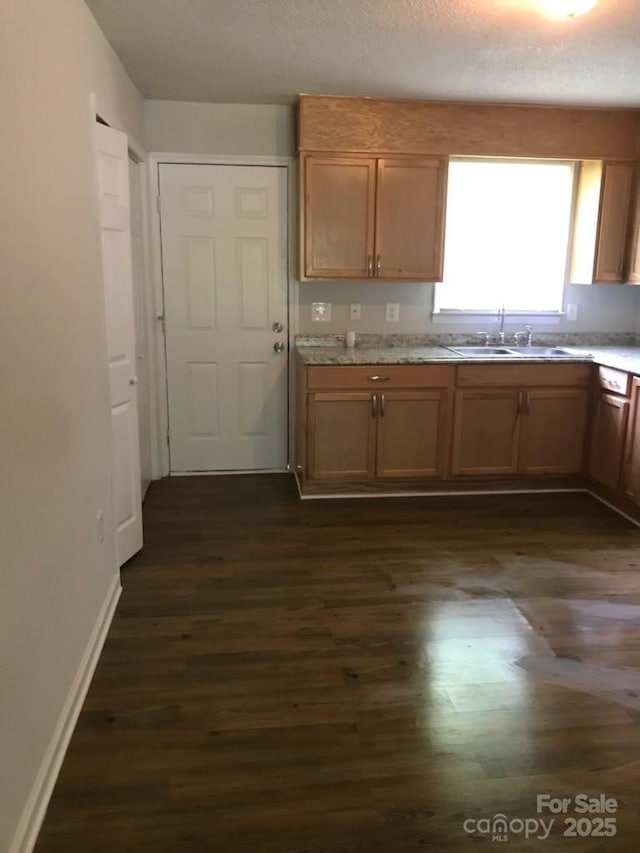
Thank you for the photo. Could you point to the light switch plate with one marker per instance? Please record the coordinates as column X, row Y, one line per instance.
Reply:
column 321, row 312
column 392, row 312
column 354, row 311
column 572, row 312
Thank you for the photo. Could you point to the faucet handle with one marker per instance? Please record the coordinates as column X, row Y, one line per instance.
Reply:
column 485, row 335
column 517, row 336
column 529, row 330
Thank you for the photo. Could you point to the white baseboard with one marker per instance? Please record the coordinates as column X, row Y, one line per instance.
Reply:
column 614, row 508
column 34, row 811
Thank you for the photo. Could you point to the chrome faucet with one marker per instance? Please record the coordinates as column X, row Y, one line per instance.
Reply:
column 485, row 335
column 528, row 331
column 500, row 319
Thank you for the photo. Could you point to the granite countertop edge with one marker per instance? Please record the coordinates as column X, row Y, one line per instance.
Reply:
column 625, row 358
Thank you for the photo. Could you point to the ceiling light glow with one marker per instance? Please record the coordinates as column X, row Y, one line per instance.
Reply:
column 568, row 8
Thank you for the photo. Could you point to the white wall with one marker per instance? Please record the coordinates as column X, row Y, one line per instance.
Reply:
column 601, row 308
column 196, row 128
column 54, row 429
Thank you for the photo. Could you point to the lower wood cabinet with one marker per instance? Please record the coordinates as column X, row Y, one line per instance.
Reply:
column 553, row 431
column 435, row 422
column 537, row 426
column 614, row 456
column 631, row 475
column 486, row 433
column 341, row 435
column 412, row 433
column 375, row 424
column 608, row 432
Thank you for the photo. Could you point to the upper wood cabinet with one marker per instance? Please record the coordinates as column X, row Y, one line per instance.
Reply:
column 339, row 217
column 633, row 253
column 601, row 227
column 410, row 218
column 373, row 218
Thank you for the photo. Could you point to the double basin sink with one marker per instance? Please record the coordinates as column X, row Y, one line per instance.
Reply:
column 488, row 351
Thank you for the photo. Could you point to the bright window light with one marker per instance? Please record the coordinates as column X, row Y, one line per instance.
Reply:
column 507, row 235
column 567, row 8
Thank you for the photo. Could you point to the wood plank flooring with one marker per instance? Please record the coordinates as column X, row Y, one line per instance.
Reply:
column 342, row 676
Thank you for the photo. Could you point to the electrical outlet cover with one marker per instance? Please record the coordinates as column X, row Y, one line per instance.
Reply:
column 354, row 311
column 392, row 312
column 321, row 312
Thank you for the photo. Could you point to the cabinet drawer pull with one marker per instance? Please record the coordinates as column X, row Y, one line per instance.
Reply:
column 374, row 405
column 382, row 405
column 378, row 264
column 377, row 378
column 370, row 265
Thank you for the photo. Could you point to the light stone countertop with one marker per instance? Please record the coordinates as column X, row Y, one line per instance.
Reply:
column 622, row 357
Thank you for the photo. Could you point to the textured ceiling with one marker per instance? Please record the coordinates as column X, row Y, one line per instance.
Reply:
column 267, row 51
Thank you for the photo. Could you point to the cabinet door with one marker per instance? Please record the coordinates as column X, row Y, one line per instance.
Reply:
column 613, row 220
column 631, row 471
column 412, row 433
column 553, row 430
column 339, row 216
column 410, row 218
column 633, row 270
column 607, row 439
column 341, row 435
column 486, row 432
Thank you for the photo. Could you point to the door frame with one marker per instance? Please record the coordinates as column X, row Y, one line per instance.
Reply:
column 160, row 407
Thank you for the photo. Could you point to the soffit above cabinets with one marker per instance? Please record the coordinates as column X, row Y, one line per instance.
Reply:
column 250, row 51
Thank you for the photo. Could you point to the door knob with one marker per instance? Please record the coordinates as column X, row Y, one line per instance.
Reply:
column 133, row 380
column 277, row 327
column 278, row 346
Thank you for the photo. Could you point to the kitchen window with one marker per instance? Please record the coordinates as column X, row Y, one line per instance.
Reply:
column 508, row 228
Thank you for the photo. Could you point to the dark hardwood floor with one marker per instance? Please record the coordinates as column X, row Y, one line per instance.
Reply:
column 359, row 676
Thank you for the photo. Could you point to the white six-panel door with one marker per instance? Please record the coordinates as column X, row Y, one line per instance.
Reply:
column 224, row 258
column 113, row 191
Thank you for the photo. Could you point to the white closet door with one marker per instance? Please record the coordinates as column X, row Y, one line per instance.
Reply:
column 113, row 188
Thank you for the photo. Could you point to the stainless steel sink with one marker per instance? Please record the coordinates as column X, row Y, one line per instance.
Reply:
column 544, row 351
column 488, row 352
column 482, row 351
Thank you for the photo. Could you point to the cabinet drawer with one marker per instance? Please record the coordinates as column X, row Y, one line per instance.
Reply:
column 381, row 376
column 527, row 375
column 616, row 381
